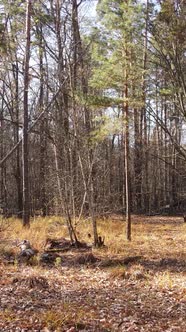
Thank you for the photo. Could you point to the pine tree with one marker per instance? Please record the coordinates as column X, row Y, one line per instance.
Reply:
column 119, row 70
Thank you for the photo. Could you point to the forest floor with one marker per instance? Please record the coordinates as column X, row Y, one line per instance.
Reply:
column 137, row 286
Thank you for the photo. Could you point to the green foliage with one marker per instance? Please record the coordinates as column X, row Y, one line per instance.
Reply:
column 166, row 92
column 97, row 101
column 123, row 17
column 116, row 51
column 117, row 47
column 40, row 15
column 14, row 7
column 105, row 126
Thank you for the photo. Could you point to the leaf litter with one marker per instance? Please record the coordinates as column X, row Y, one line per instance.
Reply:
column 147, row 294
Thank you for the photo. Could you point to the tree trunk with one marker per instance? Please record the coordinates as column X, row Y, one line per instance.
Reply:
column 63, row 203
column 3, row 192
column 138, row 159
column 26, row 203
column 127, row 170
column 146, row 185
column 43, row 145
column 16, row 140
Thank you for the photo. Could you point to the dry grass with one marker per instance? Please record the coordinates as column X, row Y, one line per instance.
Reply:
column 39, row 230
column 151, row 236
column 54, row 320
column 156, row 239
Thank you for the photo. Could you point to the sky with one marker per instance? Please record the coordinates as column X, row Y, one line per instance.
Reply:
column 89, row 8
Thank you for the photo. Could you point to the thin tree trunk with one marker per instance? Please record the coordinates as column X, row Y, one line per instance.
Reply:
column 126, row 140
column 16, row 140
column 91, row 200
column 26, row 203
column 137, row 160
column 146, row 196
column 63, row 203
column 43, row 146
column 3, row 194
column 127, row 171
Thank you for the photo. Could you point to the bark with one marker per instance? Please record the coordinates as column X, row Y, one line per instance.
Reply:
column 137, row 160
column 26, row 202
column 3, row 191
column 126, row 142
column 127, row 159
column 43, row 141
column 16, row 140
column 146, row 196
column 63, row 202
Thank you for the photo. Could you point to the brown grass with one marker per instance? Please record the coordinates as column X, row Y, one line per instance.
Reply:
column 151, row 236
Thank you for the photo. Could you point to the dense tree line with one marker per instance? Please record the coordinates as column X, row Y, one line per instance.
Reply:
column 93, row 112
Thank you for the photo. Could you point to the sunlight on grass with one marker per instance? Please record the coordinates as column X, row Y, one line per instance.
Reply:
column 39, row 230
column 148, row 238
column 52, row 319
column 57, row 319
column 169, row 281
column 164, row 280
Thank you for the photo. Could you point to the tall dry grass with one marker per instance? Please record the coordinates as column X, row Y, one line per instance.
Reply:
column 151, row 236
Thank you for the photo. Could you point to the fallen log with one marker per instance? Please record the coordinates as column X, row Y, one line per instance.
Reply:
column 63, row 244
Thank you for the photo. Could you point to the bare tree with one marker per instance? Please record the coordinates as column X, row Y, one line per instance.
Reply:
column 26, row 203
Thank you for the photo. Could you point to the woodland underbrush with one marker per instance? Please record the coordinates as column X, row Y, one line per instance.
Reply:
column 151, row 236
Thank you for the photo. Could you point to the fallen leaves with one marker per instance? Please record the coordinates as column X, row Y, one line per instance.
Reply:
column 67, row 298
column 143, row 290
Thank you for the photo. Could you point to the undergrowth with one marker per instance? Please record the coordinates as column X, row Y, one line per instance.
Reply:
column 151, row 237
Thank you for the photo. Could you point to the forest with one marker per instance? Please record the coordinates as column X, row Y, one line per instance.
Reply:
column 92, row 165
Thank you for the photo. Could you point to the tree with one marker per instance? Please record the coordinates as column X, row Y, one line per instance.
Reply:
column 122, row 20
column 26, row 200
column 167, row 46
